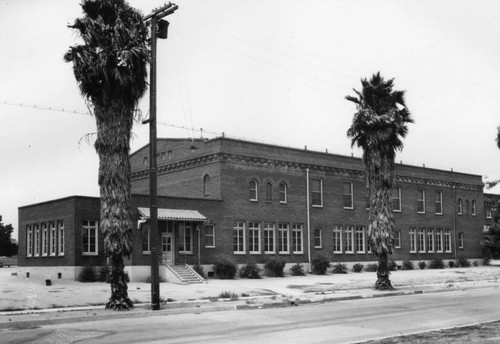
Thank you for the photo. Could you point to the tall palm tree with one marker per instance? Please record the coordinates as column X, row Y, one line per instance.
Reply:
column 378, row 126
column 110, row 68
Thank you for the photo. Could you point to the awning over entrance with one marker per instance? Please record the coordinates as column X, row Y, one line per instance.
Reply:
column 175, row 214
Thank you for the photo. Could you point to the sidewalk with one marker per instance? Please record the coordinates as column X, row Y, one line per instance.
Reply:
column 28, row 302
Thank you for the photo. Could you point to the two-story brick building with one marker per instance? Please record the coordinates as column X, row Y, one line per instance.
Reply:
column 252, row 201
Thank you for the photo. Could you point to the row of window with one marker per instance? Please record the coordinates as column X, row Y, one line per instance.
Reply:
column 430, row 240
column 283, row 239
column 160, row 156
column 45, row 239
column 185, row 236
column 282, row 192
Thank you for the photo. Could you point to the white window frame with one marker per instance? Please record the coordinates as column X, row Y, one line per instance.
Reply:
column 60, row 238
column 210, row 234
column 283, row 190
column 254, row 237
column 320, row 237
column 349, row 239
column 45, row 239
column 460, row 206
column 413, row 240
column 447, row 241
column 397, row 239
column 86, row 226
column 430, row 240
column 338, row 244
column 461, row 240
column 439, row 240
column 269, row 238
column 283, row 233
column 254, row 190
column 36, row 230
column 52, row 239
column 29, row 241
column 320, row 205
column 185, row 227
column 297, row 238
column 398, row 199
column 349, row 196
column 439, row 201
column 474, row 207
column 239, row 234
column 360, row 239
column 422, row 240
column 421, row 200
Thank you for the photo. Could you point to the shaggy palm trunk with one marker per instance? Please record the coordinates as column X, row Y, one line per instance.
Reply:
column 380, row 168
column 114, row 125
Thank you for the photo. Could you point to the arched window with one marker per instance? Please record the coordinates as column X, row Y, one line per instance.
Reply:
column 269, row 192
column 459, row 206
column 467, row 207
column 206, row 185
column 283, row 193
column 253, row 191
column 474, row 207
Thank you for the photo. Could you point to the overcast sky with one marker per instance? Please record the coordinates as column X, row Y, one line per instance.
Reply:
column 273, row 71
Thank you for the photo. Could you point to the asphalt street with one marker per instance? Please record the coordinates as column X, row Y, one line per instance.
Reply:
column 335, row 322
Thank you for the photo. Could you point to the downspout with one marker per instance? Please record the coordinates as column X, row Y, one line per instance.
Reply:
column 198, row 228
column 454, row 223
column 308, row 221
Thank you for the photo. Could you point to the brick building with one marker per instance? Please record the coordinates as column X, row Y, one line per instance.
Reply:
column 252, row 201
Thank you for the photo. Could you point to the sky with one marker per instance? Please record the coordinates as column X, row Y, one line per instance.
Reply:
column 271, row 71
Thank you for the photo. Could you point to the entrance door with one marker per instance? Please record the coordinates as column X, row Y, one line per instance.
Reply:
column 167, row 255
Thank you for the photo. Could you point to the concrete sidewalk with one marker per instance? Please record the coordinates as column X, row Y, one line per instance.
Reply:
column 28, row 303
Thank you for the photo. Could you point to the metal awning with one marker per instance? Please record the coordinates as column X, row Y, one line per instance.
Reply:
column 175, row 214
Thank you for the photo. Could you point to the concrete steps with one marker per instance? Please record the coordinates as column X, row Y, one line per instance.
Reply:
column 185, row 274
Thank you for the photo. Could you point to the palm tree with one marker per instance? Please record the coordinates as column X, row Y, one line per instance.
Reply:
column 378, row 126
column 110, row 69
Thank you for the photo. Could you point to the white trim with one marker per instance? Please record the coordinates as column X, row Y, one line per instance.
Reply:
column 269, row 227
column 253, row 229
column 349, row 232
column 351, row 187
column 360, row 229
column 298, row 228
column 213, row 235
column 283, row 228
column 440, row 201
column 90, row 227
column 60, row 238
column 320, row 193
column 398, row 188
column 337, row 240
column 239, row 230
column 421, row 200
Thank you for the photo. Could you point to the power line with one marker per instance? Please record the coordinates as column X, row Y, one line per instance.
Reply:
column 42, row 107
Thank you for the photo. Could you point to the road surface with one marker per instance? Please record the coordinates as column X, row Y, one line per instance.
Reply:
column 334, row 322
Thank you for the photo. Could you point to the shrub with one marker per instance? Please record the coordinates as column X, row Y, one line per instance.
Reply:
column 103, row 274
column 357, row 267
column 408, row 265
column 319, row 265
column 274, row 267
column 436, row 264
column 487, row 261
column 224, row 268
column 339, row 269
column 422, row 265
column 451, row 264
column 463, row 262
column 88, row 274
column 371, row 267
column 199, row 270
column 475, row 263
column 392, row 265
column 228, row 295
column 250, row 270
column 297, row 270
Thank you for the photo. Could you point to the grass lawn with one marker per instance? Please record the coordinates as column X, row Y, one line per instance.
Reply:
column 482, row 333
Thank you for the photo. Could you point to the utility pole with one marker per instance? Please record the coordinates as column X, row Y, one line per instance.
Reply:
column 159, row 29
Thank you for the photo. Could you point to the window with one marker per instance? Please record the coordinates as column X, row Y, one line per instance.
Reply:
column 239, row 237
column 89, row 233
column 269, row 238
column 347, row 199
column 52, row 238
column 206, row 185
column 162, row 156
column 169, row 154
column 185, row 238
column 360, row 239
column 421, row 201
column 487, row 209
column 316, row 192
column 421, row 240
column 447, row 240
column 439, row 240
column 254, row 237
column 283, row 238
column 349, row 239
column 396, row 199
column 209, row 236
column 146, row 245
column 317, row 238
column 459, row 206
column 269, row 192
column 283, row 193
column 474, row 207
column 337, row 239
column 29, row 241
column 430, row 240
column 439, row 202
column 253, row 190
column 297, row 238
column 37, row 240
column 413, row 241
column 467, row 209
column 397, row 239
column 367, row 201
column 145, row 161
column 461, row 240
column 60, row 238
column 45, row 239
